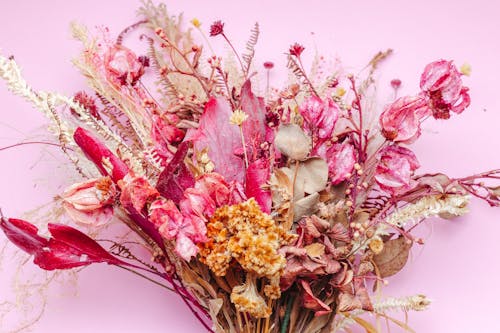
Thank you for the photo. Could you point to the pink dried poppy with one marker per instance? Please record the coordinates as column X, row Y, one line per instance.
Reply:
column 197, row 202
column 137, row 192
column 395, row 169
column 320, row 116
column 90, row 202
column 442, row 84
column 122, row 65
column 341, row 159
column 216, row 28
column 296, row 49
column 215, row 186
column 185, row 229
column 400, row 120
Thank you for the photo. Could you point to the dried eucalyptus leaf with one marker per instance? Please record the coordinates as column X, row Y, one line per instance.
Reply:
column 305, row 206
column 313, row 173
column 393, row 257
column 293, row 142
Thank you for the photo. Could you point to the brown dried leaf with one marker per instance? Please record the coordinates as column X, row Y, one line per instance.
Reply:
column 305, row 206
column 293, row 142
column 315, row 250
column 393, row 257
column 366, row 325
column 317, row 323
column 313, row 174
column 214, row 306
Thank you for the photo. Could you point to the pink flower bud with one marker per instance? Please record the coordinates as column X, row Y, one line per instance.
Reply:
column 90, row 202
column 442, row 84
column 395, row 169
column 122, row 66
column 400, row 120
column 320, row 116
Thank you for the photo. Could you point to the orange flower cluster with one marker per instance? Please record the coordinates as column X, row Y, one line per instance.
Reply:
column 244, row 233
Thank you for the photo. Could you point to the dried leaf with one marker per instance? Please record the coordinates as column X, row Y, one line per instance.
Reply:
column 107, row 162
column 393, row 257
column 67, row 248
column 305, row 206
column 313, row 173
column 293, row 142
column 256, row 177
column 312, row 302
column 214, row 307
column 315, row 250
column 254, row 128
column 176, row 177
column 221, row 138
column 366, row 325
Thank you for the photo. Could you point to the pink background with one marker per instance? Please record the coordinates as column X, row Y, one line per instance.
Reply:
column 458, row 267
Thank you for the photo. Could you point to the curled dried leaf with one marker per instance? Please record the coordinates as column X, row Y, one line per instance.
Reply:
column 393, row 257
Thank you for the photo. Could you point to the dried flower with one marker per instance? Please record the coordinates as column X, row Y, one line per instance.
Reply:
column 442, row 84
column 87, row 102
column 122, row 65
column 296, row 49
column 268, row 65
column 395, row 169
column 90, row 202
column 320, row 116
column 216, row 28
column 341, row 158
column 244, row 233
column 400, row 120
column 238, row 117
column 395, row 83
column 246, row 298
column 196, row 23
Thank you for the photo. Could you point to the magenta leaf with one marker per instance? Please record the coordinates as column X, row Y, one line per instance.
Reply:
column 97, row 152
column 254, row 128
column 66, row 248
column 23, row 234
column 176, row 177
column 222, row 139
column 257, row 175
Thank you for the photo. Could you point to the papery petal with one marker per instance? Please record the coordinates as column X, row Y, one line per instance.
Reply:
column 96, row 217
column 341, row 159
column 400, row 120
column 185, row 247
column 137, row 191
column 395, row 169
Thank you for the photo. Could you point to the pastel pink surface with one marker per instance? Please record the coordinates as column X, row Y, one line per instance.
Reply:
column 458, row 267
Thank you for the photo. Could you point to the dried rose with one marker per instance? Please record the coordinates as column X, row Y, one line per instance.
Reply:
column 442, row 83
column 395, row 169
column 90, row 202
column 122, row 66
column 320, row 116
column 400, row 120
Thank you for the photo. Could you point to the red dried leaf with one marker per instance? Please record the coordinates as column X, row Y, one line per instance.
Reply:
column 23, row 234
column 257, row 175
column 67, row 248
column 96, row 151
column 176, row 177
column 221, row 138
column 254, row 128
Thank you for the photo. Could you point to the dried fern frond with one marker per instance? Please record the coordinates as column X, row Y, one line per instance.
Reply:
column 250, row 49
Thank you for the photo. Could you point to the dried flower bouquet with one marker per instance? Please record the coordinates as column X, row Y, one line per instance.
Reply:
column 281, row 213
